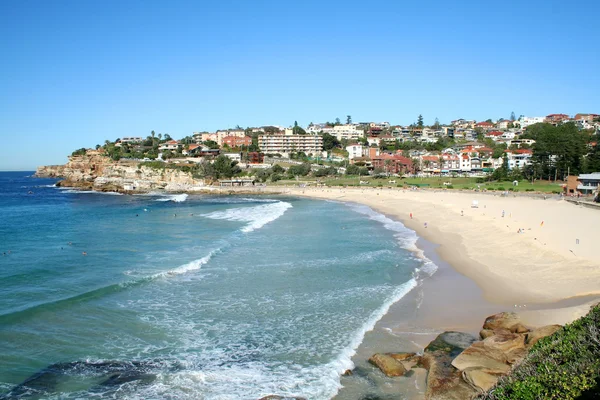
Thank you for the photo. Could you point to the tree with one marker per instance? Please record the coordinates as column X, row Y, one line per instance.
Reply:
column 558, row 150
column 593, row 158
column 420, row 121
column 348, row 119
column 152, row 134
column 224, row 167
column 211, row 144
column 436, row 125
column 337, row 121
column 352, row 169
column 512, row 116
column 329, row 142
column 297, row 130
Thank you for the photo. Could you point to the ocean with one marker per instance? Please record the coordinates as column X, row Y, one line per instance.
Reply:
column 189, row 296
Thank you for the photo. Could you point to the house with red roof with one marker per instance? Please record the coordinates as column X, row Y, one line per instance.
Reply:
column 494, row 135
column 556, row 118
column 393, row 164
column 484, row 125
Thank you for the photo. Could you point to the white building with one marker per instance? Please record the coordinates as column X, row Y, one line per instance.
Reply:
column 234, row 156
column 132, row 139
column 354, row 151
column 285, row 144
column 524, row 122
column 519, row 158
column 171, row 145
column 348, row 132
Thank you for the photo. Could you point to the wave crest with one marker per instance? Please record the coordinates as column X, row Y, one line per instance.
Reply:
column 257, row 216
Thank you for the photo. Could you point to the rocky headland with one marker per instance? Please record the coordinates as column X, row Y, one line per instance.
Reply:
column 95, row 171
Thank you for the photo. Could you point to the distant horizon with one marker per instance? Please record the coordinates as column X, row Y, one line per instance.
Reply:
column 83, row 72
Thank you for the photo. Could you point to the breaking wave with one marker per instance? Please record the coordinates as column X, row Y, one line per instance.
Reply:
column 176, row 198
column 257, row 216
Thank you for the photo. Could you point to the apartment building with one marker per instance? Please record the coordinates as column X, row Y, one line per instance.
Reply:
column 285, row 144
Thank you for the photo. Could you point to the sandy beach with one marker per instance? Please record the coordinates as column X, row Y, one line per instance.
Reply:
column 554, row 257
column 535, row 256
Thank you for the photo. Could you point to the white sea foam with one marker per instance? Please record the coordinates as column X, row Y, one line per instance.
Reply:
column 257, row 216
column 241, row 200
column 214, row 378
column 177, row 198
column 407, row 238
column 344, row 360
column 191, row 266
column 66, row 190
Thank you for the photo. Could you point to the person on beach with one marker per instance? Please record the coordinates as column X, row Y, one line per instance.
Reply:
column 410, row 215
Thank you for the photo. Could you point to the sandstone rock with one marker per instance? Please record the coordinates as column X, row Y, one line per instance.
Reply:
column 388, row 365
column 516, row 355
column 444, row 382
column 520, row 328
column 505, row 341
column 451, row 342
column 485, row 333
column 348, row 372
column 94, row 170
column 481, row 379
column 401, row 356
column 506, row 320
column 478, row 355
column 539, row 333
column 276, row 397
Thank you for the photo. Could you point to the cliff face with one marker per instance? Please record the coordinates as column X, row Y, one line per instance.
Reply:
column 95, row 171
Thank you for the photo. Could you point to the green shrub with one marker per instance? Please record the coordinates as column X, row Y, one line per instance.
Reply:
column 529, row 190
column 565, row 366
column 479, row 180
column 450, row 187
column 501, row 188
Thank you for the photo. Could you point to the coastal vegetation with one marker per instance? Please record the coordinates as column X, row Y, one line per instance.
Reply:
column 563, row 366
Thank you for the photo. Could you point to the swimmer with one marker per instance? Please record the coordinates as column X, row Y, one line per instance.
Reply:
column 84, row 253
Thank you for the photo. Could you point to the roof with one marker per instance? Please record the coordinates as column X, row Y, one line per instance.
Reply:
column 485, row 123
column 495, row 133
column 395, row 157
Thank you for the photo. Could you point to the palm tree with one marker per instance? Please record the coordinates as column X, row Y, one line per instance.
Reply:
column 152, row 134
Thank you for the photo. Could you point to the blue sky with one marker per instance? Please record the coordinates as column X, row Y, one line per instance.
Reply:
column 75, row 73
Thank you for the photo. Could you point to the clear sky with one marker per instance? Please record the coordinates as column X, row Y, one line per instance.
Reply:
column 74, row 73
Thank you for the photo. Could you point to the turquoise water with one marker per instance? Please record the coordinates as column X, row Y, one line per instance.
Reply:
column 188, row 296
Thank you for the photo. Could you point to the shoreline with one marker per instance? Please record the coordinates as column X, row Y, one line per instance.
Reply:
column 483, row 268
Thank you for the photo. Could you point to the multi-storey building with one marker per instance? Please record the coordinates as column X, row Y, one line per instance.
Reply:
column 285, row 144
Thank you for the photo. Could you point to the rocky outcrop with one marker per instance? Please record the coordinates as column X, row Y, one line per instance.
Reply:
column 443, row 380
column 459, row 366
column 539, row 333
column 95, row 171
column 388, row 365
column 503, row 320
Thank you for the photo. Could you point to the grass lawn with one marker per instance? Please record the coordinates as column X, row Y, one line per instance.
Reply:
column 432, row 182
